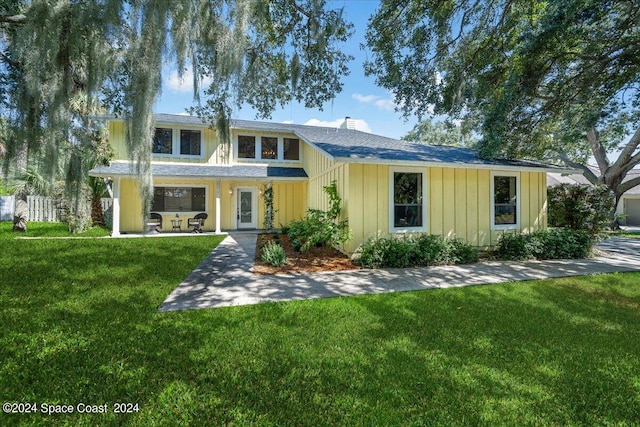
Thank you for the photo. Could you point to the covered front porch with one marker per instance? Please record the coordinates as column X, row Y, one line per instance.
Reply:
column 229, row 202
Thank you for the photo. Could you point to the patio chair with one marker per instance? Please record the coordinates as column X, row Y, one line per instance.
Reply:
column 197, row 222
column 155, row 223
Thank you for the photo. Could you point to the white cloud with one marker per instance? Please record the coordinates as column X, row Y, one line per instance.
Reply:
column 386, row 104
column 184, row 84
column 288, row 122
column 364, row 98
column 360, row 124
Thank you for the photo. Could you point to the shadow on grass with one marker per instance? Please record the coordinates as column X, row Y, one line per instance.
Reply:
column 549, row 352
column 80, row 324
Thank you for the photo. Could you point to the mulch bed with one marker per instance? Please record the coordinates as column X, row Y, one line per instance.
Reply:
column 315, row 259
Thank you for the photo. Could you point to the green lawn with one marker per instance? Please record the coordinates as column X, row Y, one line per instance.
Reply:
column 629, row 234
column 47, row 229
column 80, row 325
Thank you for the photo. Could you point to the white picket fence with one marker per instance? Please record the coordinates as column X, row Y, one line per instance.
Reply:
column 41, row 209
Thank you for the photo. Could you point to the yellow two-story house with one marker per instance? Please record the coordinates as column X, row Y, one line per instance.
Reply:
column 387, row 186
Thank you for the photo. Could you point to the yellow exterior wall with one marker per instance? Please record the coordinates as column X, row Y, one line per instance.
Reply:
column 289, row 201
column 458, row 200
column 458, row 203
column 322, row 171
column 367, row 205
column 288, row 163
column 130, row 206
column 117, row 138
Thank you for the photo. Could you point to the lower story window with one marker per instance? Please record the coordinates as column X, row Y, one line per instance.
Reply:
column 505, row 200
column 407, row 200
column 178, row 199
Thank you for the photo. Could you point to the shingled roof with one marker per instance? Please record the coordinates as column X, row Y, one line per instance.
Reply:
column 352, row 146
column 175, row 170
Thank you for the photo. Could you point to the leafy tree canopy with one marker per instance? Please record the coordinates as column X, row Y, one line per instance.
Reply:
column 439, row 133
column 65, row 61
column 552, row 80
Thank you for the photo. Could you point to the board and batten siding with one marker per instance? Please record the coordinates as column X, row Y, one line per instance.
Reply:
column 289, row 202
column 458, row 203
column 212, row 150
column 322, row 171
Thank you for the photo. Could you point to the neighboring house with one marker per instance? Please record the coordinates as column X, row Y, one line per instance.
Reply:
column 628, row 206
column 387, row 186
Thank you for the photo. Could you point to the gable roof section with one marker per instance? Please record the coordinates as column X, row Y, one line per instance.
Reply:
column 177, row 170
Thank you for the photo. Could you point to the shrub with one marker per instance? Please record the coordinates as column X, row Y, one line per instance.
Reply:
column 319, row 227
column 515, row 246
column 414, row 251
column 580, row 207
column 462, row 252
column 273, row 254
column 431, row 249
column 551, row 244
column 565, row 244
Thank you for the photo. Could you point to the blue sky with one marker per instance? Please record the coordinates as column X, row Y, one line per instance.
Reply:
column 372, row 107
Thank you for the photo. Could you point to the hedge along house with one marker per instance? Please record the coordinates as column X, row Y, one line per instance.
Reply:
column 387, row 186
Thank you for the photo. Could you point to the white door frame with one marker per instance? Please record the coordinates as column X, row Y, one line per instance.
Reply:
column 254, row 207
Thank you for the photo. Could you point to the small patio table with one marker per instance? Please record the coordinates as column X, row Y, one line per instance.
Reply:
column 176, row 224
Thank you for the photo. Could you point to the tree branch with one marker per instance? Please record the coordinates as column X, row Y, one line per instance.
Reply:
column 588, row 173
column 13, row 19
column 628, row 185
column 626, row 155
column 598, row 150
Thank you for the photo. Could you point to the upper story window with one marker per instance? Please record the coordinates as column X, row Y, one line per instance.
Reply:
column 190, row 142
column 169, row 142
column 246, row 147
column 291, row 149
column 268, row 148
column 505, row 201
column 407, row 204
column 163, row 141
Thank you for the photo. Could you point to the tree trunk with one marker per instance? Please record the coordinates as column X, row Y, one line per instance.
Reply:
column 21, row 214
column 97, row 217
column 614, row 221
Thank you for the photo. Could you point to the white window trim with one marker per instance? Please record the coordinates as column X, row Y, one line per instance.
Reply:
column 495, row 226
column 206, row 198
column 425, row 200
column 190, row 156
column 258, row 149
column 175, row 143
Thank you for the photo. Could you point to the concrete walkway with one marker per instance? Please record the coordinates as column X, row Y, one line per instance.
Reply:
column 224, row 278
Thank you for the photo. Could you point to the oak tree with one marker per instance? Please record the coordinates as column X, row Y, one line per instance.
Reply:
column 558, row 81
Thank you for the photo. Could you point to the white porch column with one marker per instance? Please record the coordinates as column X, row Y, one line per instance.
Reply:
column 115, row 232
column 218, row 185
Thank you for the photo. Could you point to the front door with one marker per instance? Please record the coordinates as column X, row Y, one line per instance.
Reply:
column 247, row 208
